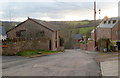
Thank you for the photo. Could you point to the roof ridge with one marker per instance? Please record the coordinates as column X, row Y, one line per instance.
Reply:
column 41, row 23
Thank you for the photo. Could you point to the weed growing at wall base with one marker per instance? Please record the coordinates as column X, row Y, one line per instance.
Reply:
column 34, row 52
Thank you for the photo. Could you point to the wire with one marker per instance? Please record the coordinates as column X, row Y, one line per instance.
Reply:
column 71, row 4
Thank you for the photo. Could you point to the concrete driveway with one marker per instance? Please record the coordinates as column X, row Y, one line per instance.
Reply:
column 72, row 62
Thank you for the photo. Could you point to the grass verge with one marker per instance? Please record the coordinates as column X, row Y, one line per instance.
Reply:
column 34, row 52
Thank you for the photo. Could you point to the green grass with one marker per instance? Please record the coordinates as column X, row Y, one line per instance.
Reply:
column 113, row 42
column 47, row 52
column 86, row 30
column 34, row 52
column 27, row 53
column 76, row 22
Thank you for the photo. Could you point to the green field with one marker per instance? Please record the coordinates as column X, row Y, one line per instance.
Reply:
column 86, row 30
column 77, row 22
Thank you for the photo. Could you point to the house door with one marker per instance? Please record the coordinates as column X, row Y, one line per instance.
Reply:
column 50, row 45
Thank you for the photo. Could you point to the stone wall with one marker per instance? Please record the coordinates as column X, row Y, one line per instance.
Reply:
column 89, row 46
column 104, row 33
column 14, row 47
column 115, row 34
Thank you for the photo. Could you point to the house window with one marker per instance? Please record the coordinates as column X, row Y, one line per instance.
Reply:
column 118, row 32
column 20, row 33
column 109, row 22
column 42, row 33
column 104, row 22
column 114, row 21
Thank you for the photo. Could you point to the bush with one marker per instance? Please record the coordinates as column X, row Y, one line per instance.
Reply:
column 82, row 42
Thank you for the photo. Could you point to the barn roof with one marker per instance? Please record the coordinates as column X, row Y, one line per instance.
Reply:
column 47, row 25
column 40, row 22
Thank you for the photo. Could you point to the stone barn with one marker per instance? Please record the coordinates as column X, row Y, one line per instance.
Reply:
column 34, row 28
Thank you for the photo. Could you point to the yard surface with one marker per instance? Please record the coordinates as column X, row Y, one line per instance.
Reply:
column 108, row 63
column 109, row 56
column 73, row 62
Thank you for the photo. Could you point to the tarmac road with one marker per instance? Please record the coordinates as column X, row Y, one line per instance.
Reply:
column 72, row 62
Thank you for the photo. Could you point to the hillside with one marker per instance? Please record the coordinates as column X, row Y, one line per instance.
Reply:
column 73, row 24
column 9, row 25
column 60, row 24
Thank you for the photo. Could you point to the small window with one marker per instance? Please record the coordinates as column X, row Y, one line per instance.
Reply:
column 109, row 22
column 119, row 32
column 42, row 33
column 20, row 33
column 104, row 22
column 114, row 21
column 39, row 33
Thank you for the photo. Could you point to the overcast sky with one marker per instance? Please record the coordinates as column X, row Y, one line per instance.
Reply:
column 55, row 10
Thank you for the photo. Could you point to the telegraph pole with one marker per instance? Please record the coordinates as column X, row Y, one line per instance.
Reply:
column 95, row 25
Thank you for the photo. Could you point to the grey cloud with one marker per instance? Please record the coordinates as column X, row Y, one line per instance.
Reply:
column 46, row 9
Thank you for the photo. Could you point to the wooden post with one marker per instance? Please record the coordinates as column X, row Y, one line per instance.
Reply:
column 95, row 24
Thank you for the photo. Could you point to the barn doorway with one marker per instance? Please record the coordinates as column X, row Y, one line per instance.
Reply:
column 50, row 45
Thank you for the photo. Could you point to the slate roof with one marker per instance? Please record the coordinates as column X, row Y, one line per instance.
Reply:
column 109, row 22
column 45, row 24
column 76, row 36
column 108, row 25
column 40, row 22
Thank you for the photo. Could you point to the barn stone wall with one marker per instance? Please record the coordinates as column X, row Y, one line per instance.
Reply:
column 14, row 47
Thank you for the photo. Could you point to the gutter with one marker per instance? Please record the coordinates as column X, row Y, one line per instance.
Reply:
column 111, row 33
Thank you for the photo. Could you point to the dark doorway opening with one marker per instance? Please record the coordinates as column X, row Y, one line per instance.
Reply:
column 118, row 44
column 50, row 45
